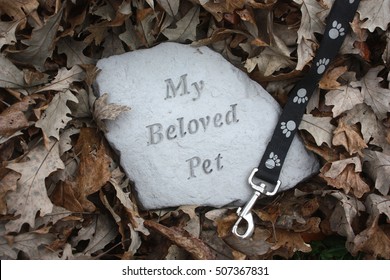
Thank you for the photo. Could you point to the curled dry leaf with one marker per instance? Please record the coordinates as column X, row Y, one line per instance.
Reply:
column 18, row 10
column 344, row 214
column 94, row 168
column 103, row 111
column 349, row 137
column 31, row 195
column 345, row 176
column 196, row 247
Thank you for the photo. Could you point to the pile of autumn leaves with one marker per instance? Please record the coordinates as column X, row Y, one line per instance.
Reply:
column 62, row 193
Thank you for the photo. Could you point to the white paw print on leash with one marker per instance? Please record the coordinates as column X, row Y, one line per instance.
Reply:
column 301, row 96
column 288, row 127
column 321, row 65
column 337, row 30
column 272, row 161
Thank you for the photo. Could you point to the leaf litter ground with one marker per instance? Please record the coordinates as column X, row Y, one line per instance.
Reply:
column 63, row 194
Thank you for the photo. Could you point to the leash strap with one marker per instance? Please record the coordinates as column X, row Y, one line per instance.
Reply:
column 268, row 171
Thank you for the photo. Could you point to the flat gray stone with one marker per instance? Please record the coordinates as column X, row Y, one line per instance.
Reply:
column 196, row 129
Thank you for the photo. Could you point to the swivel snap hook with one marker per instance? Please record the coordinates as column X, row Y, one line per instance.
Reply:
column 245, row 213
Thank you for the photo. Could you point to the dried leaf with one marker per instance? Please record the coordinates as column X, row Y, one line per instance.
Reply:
column 13, row 118
column 346, row 210
column 31, row 195
column 7, row 183
column 18, row 9
column 375, row 240
column 374, row 13
column 30, row 243
column 170, row 6
column 378, row 166
column 287, row 243
column 64, row 196
column 183, row 239
column 131, row 209
column 347, row 178
column 268, row 62
column 185, row 27
column 56, row 116
column 349, row 137
column 343, row 99
column 374, row 95
column 377, row 205
column 74, row 52
column 94, row 168
column 10, row 76
column 103, row 111
column 386, row 52
column 41, row 44
column 329, row 80
column 371, row 129
column 105, row 230
column 319, row 127
column 64, row 79
column 7, row 32
column 310, row 24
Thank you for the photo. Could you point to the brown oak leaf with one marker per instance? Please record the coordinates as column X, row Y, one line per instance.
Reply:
column 196, row 247
column 345, row 176
column 378, row 167
column 349, row 137
column 377, row 97
column 319, row 127
column 31, row 195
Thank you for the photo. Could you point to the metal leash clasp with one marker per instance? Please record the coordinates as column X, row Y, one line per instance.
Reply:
column 245, row 213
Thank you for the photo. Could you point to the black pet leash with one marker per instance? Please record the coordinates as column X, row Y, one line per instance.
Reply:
column 265, row 178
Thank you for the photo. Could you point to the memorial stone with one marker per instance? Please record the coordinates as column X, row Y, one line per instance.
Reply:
column 196, row 128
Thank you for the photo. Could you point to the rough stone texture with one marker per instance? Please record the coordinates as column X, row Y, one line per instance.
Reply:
column 197, row 147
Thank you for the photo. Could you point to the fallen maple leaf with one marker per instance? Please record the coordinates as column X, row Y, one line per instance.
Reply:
column 31, row 195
